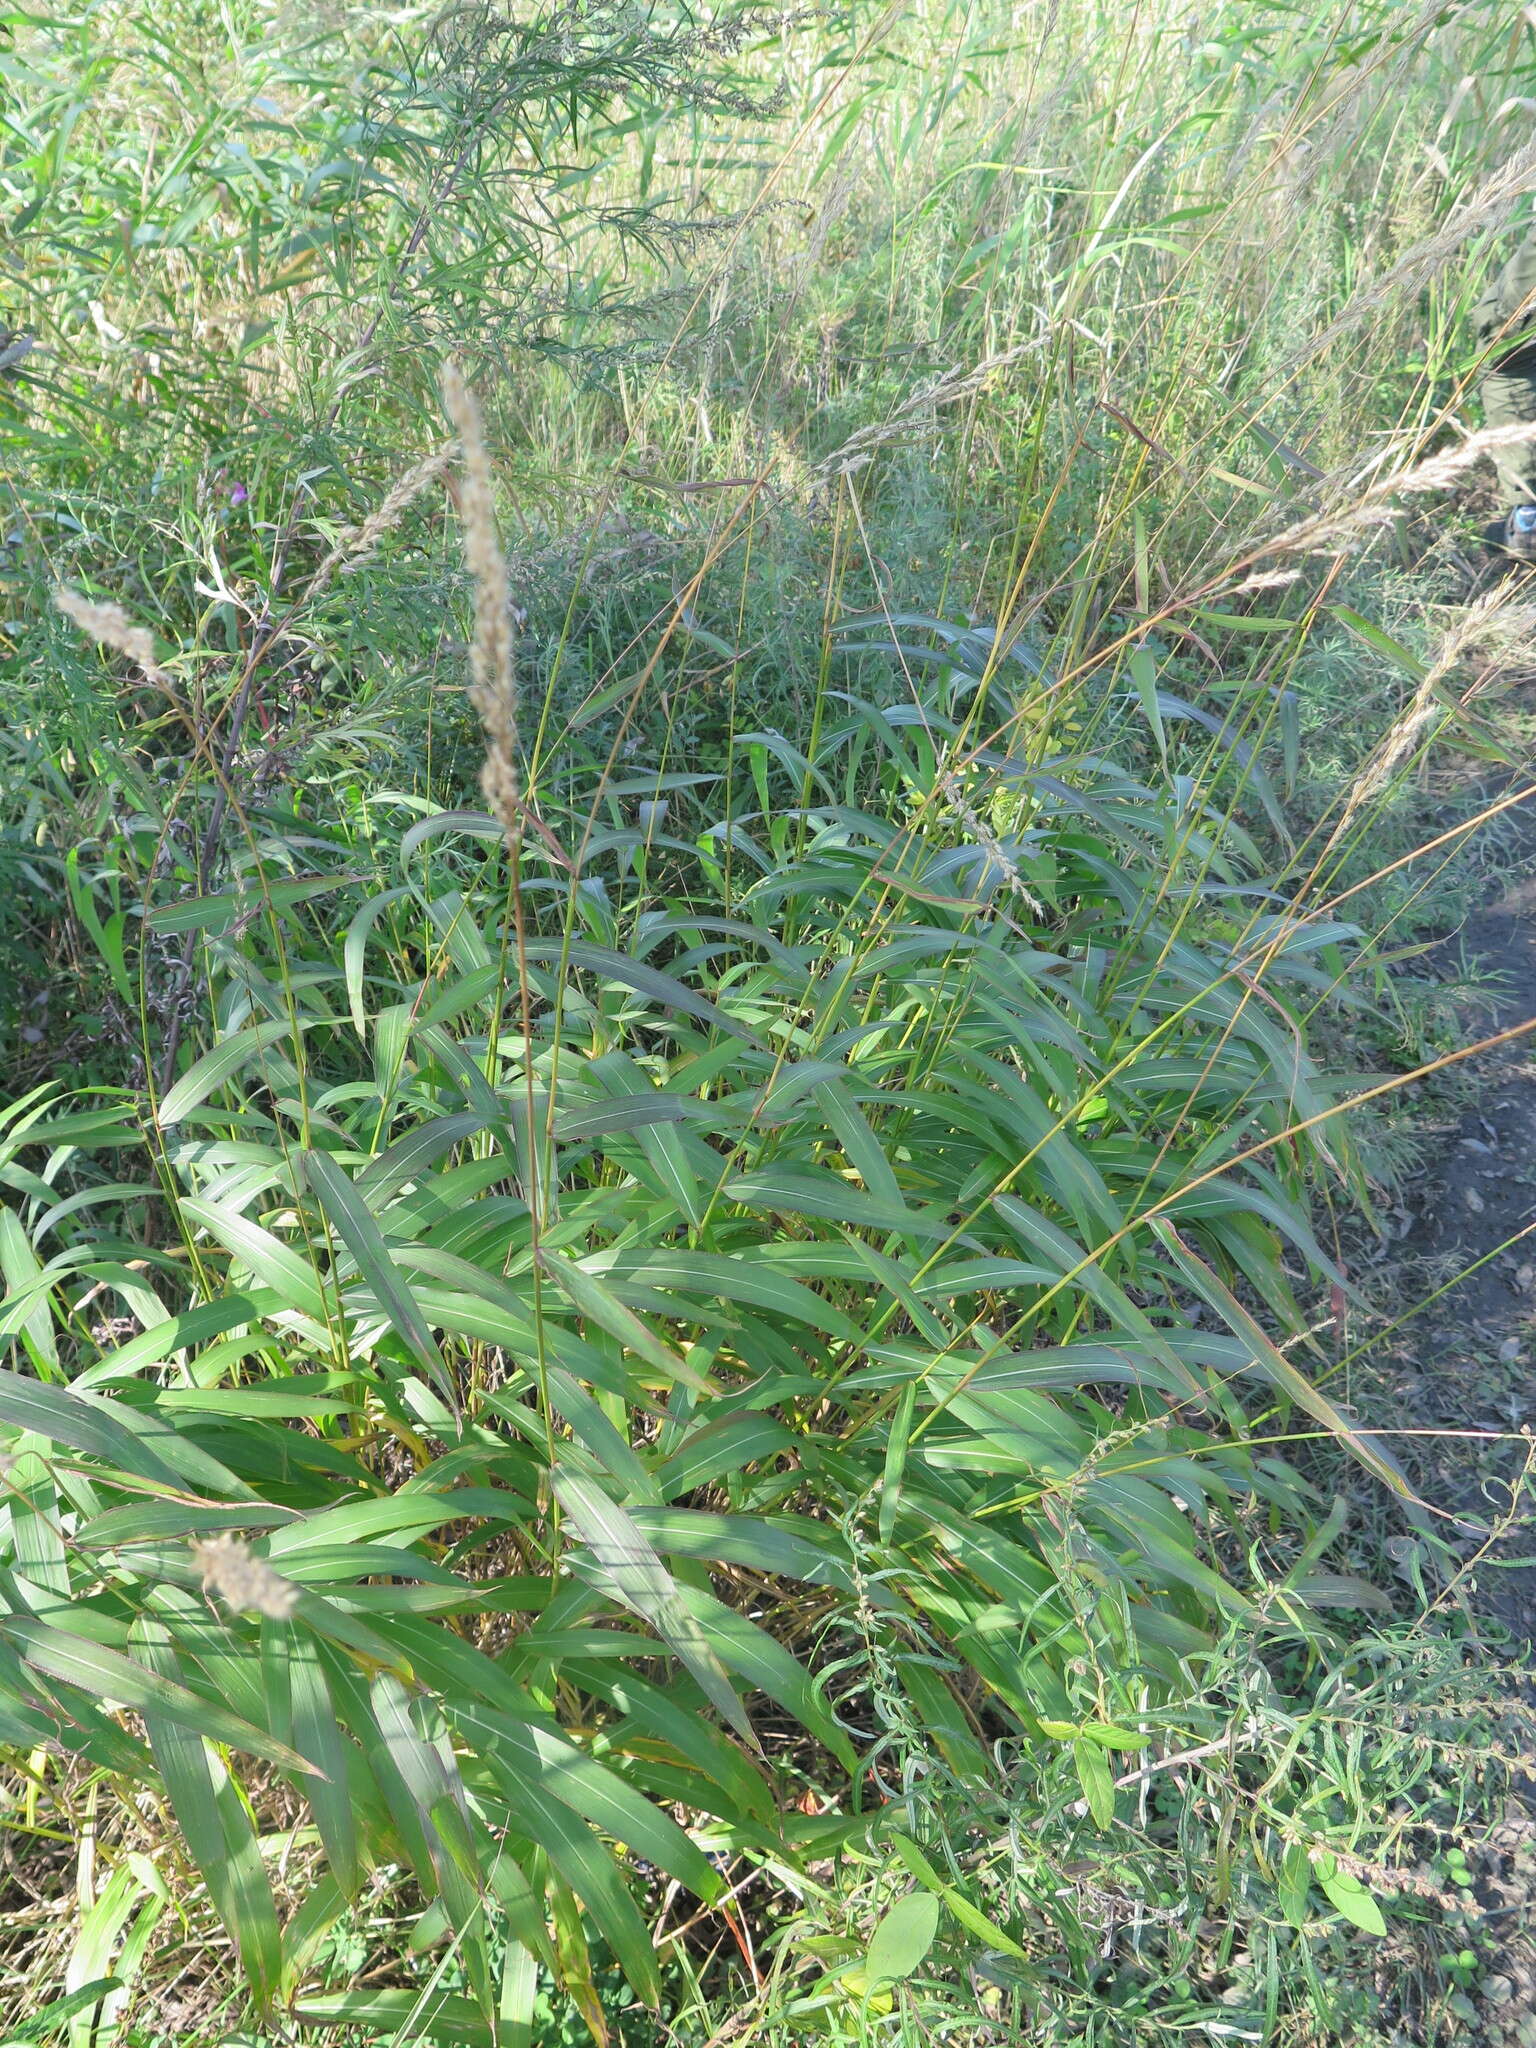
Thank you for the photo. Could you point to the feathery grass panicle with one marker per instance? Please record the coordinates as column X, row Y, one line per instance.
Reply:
column 1492, row 613
column 915, row 415
column 355, row 544
column 245, row 1582
column 1266, row 579
column 1487, row 207
column 110, row 626
column 493, row 691
column 1373, row 506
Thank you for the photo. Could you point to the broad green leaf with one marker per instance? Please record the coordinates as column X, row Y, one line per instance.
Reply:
column 215, row 914
column 410, row 1157
column 84, row 1424
column 752, row 1653
column 608, row 1114
column 902, row 1940
column 1348, row 1895
column 720, row 1449
column 662, row 989
column 732, row 1279
column 827, row 1195
column 317, row 1737
column 44, row 2023
column 599, row 1794
column 402, row 1518
column 1295, row 1884
column 108, row 1675
column 632, row 1573
column 223, row 1844
column 32, row 1314
column 96, row 1940
column 751, row 1540
column 587, row 1867
column 1096, row 1778
column 186, row 1332
column 588, row 1293
column 345, row 1208
column 354, row 951
column 276, row 1265
column 401, row 2016
column 943, row 1719
column 219, row 1065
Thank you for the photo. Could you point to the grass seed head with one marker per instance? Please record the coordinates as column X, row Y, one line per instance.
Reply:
column 493, row 690
column 110, row 626
column 355, row 544
column 245, row 1582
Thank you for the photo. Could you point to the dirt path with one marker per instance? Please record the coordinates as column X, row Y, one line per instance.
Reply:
column 1467, row 1362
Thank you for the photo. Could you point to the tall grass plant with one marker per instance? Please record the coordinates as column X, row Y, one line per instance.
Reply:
column 721, row 1385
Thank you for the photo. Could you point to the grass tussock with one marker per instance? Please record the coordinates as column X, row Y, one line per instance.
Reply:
column 731, row 1399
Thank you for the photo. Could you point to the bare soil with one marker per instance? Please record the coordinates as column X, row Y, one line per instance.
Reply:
column 1466, row 1362
column 1462, row 1369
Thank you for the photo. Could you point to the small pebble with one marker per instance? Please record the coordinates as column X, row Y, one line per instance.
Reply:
column 1509, row 1350
column 1474, row 1201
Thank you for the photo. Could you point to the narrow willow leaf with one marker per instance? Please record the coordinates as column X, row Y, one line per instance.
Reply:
column 970, row 1917
column 1383, row 642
